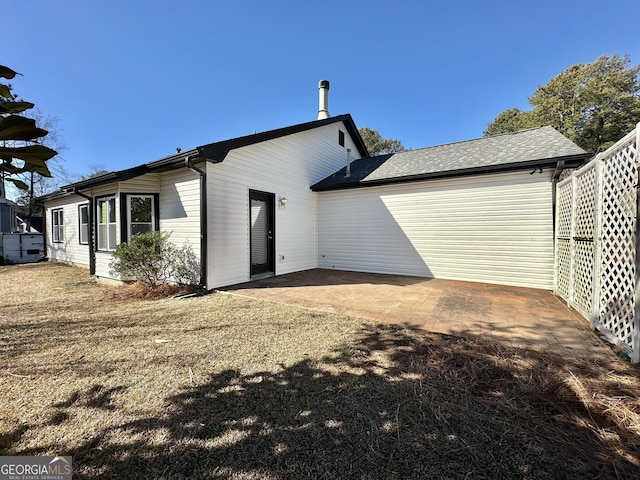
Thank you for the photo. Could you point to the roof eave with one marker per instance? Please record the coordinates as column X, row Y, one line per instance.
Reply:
column 212, row 152
column 217, row 152
column 570, row 161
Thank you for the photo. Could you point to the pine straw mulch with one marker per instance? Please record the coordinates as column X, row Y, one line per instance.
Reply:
column 227, row 387
column 139, row 291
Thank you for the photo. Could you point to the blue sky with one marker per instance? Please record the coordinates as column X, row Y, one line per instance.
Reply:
column 132, row 80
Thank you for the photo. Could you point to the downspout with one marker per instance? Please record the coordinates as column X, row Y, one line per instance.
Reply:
column 203, row 218
column 554, row 182
column 92, row 251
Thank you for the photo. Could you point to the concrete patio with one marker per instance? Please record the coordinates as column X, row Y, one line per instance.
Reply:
column 520, row 317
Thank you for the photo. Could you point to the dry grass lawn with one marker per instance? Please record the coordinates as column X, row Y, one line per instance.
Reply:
column 222, row 386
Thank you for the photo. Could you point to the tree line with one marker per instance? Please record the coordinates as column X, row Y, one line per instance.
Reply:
column 593, row 104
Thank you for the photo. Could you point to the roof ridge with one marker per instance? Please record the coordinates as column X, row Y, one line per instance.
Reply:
column 478, row 139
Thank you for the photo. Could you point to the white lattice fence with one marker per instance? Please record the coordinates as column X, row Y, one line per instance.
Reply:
column 596, row 244
column 564, row 209
column 583, row 234
column 616, row 315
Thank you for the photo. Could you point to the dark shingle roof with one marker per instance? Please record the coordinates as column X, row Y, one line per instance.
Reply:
column 534, row 147
column 214, row 152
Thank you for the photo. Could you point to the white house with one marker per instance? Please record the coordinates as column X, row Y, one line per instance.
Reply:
column 227, row 199
column 308, row 196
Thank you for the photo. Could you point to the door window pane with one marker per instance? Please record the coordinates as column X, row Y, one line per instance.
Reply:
column 259, row 227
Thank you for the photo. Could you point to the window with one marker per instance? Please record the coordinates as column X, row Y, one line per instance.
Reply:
column 341, row 138
column 83, row 219
column 106, row 215
column 140, row 214
column 58, row 225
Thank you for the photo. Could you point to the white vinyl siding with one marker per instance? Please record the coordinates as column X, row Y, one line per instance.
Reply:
column 494, row 228
column 286, row 167
column 70, row 250
column 180, row 208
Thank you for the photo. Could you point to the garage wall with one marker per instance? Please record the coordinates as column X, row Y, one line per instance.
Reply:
column 494, row 228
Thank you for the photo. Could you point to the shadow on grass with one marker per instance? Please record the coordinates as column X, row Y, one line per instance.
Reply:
column 397, row 404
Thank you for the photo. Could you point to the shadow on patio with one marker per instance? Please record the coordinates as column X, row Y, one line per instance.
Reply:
column 522, row 317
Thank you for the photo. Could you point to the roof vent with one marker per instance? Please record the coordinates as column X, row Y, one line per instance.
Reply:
column 323, row 108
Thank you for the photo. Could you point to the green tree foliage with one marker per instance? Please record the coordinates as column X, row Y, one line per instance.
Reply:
column 19, row 148
column 378, row 145
column 593, row 104
column 153, row 260
column 512, row 120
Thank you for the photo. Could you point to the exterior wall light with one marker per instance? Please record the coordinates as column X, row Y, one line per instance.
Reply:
column 283, row 201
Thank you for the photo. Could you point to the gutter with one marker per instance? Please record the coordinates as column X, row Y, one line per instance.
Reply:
column 188, row 162
column 92, row 251
column 575, row 160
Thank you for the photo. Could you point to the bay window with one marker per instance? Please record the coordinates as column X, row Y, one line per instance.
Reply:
column 140, row 214
column 106, row 220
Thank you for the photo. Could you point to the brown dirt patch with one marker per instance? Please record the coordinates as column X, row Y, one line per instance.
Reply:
column 139, row 291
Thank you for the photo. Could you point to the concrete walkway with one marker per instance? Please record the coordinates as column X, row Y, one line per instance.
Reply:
column 521, row 317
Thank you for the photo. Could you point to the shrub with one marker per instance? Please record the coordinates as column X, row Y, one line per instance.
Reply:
column 154, row 261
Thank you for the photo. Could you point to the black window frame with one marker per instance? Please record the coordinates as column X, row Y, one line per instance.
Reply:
column 84, row 206
column 125, row 218
column 98, row 200
column 57, row 225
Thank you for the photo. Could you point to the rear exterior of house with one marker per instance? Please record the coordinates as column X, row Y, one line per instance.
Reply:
column 248, row 229
column 170, row 201
column 308, row 196
column 480, row 210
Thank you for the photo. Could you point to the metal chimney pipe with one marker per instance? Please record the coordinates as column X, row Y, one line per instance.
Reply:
column 323, row 108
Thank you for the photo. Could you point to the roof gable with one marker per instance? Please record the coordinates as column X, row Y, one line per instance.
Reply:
column 533, row 147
